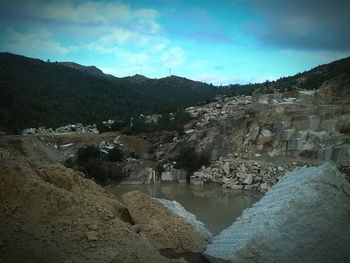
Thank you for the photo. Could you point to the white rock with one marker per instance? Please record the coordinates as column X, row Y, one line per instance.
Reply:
column 237, row 187
column 264, row 186
column 292, row 222
column 226, row 168
column 248, row 180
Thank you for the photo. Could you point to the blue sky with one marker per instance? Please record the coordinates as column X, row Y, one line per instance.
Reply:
column 219, row 42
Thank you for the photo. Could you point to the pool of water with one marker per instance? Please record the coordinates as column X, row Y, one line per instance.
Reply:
column 215, row 206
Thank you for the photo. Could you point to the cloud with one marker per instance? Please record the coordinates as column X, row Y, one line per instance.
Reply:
column 109, row 28
column 299, row 24
column 129, row 71
column 226, row 79
column 82, row 20
column 38, row 41
column 173, row 57
column 90, row 12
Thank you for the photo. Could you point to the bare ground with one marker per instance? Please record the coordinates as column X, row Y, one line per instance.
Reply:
column 49, row 213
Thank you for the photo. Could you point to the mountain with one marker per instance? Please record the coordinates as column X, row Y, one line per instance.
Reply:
column 88, row 69
column 36, row 93
column 335, row 75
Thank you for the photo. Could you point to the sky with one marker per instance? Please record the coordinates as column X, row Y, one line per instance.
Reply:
column 220, row 42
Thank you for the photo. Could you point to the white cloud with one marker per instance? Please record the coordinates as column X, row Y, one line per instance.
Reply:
column 222, row 79
column 68, row 11
column 131, row 58
column 38, row 41
column 127, row 37
column 215, row 79
column 173, row 57
column 148, row 71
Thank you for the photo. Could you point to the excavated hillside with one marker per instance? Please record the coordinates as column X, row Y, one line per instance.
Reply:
column 49, row 213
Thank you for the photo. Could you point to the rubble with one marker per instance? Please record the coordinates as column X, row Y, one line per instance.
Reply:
column 237, row 173
column 77, row 128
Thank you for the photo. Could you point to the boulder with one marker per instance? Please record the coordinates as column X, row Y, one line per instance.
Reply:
column 303, row 218
column 165, row 229
column 237, row 187
column 226, row 168
column 167, row 176
column 248, row 180
column 178, row 209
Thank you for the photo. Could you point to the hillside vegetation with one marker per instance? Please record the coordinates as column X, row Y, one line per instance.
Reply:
column 35, row 93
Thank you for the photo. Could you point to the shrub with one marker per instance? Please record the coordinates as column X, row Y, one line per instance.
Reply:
column 102, row 127
column 189, row 160
column 119, row 124
column 134, row 155
column 115, row 155
column 160, row 168
column 102, row 172
column 84, row 154
column 69, row 162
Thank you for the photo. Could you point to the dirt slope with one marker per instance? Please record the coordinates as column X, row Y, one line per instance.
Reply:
column 49, row 213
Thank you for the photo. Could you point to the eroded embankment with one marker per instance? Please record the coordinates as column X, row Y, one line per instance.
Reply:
column 49, row 213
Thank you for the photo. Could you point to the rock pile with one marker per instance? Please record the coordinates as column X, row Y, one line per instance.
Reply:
column 71, row 128
column 217, row 111
column 237, row 173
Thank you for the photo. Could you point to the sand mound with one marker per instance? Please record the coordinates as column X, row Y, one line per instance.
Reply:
column 52, row 214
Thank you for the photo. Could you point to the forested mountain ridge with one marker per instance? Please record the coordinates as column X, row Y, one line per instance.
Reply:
column 36, row 93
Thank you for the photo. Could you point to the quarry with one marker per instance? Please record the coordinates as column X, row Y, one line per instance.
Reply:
column 286, row 145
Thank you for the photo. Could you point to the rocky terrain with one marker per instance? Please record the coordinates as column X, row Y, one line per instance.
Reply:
column 49, row 212
column 251, row 140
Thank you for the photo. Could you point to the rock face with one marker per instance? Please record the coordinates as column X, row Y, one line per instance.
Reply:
column 303, row 218
column 286, row 124
column 163, row 228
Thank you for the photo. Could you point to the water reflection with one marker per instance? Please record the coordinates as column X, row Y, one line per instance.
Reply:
column 216, row 207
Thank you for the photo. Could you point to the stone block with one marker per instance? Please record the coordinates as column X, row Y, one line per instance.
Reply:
column 303, row 218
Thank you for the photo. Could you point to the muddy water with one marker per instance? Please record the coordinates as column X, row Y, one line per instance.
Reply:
column 216, row 207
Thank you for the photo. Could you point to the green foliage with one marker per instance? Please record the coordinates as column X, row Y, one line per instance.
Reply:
column 160, row 168
column 119, row 124
column 69, row 162
column 102, row 172
column 115, row 155
column 90, row 161
column 189, row 160
column 166, row 122
column 34, row 93
column 84, row 154
column 134, row 155
column 102, row 127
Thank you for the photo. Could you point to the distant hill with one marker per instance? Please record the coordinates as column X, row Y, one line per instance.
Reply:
column 36, row 93
column 335, row 75
column 88, row 69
